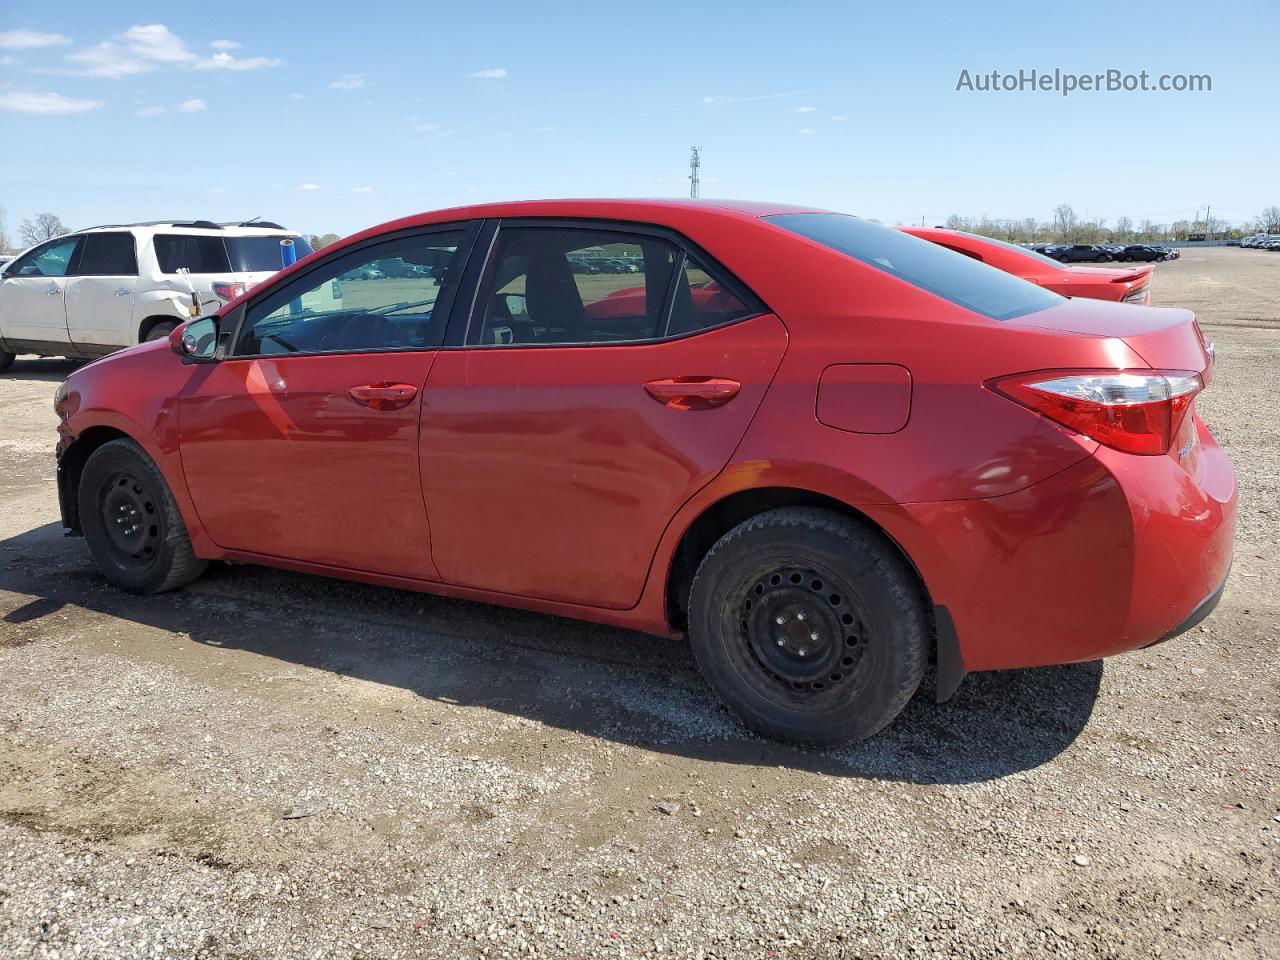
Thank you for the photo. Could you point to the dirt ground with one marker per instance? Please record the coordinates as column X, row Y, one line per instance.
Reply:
column 272, row 765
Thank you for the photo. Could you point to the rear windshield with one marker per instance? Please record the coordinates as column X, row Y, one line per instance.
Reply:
column 942, row 272
column 213, row 254
column 1025, row 251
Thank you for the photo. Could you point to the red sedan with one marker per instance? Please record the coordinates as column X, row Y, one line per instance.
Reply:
column 828, row 452
column 1126, row 285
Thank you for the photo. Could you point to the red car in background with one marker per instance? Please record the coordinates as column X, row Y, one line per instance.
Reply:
column 1126, row 285
column 826, row 451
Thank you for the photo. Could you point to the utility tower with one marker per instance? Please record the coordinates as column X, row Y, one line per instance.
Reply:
column 695, row 161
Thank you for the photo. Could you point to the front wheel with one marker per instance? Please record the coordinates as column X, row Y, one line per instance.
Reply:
column 159, row 331
column 809, row 625
column 6, row 360
column 131, row 522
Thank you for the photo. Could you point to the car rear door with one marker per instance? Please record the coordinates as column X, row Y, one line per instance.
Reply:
column 99, row 298
column 303, row 444
column 32, row 307
column 578, row 411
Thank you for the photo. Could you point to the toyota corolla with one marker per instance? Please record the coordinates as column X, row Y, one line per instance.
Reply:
column 827, row 452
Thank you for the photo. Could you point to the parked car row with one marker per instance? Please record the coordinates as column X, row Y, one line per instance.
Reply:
column 1262, row 241
column 87, row 293
column 828, row 452
column 1105, row 252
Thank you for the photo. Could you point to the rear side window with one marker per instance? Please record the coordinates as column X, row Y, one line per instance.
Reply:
column 199, row 254
column 566, row 286
column 108, row 255
column 961, row 280
column 258, row 254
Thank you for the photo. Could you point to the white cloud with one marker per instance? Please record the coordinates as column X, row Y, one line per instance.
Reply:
column 45, row 103
column 194, row 105
column 718, row 101
column 805, row 109
column 308, row 186
column 149, row 112
column 362, row 189
column 225, row 61
column 350, row 81
column 492, row 73
column 157, row 42
column 806, row 131
column 424, row 127
column 548, row 129
column 839, row 119
column 29, row 39
column 108, row 59
column 144, row 48
column 296, row 96
column 226, row 44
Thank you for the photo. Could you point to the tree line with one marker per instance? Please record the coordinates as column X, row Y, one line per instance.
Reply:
column 1067, row 227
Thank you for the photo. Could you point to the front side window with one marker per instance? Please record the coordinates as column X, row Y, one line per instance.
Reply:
column 961, row 280
column 108, row 255
column 51, row 260
column 383, row 297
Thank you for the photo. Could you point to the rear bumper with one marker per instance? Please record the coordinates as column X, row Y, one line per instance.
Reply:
column 1113, row 554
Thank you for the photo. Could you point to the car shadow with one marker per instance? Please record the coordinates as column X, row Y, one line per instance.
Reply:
column 47, row 369
column 626, row 687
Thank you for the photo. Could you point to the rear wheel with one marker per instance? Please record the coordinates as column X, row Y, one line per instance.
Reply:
column 809, row 625
column 6, row 360
column 160, row 331
column 131, row 522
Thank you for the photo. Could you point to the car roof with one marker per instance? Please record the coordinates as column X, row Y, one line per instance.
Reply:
column 195, row 228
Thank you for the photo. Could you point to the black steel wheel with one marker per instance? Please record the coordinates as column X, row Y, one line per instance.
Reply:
column 810, row 625
column 131, row 522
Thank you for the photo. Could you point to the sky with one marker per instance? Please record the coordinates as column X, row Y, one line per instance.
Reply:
column 332, row 117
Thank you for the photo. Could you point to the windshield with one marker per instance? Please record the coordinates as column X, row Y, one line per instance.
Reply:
column 942, row 272
column 256, row 254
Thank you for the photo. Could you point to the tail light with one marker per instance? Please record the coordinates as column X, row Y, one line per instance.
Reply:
column 226, row 291
column 1137, row 411
column 1141, row 296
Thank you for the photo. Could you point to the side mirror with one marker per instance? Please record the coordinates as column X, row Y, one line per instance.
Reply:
column 195, row 340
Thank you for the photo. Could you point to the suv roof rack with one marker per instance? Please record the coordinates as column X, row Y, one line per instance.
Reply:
column 202, row 224
column 267, row 224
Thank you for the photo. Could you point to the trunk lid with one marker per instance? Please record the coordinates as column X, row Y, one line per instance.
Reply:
column 1167, row 338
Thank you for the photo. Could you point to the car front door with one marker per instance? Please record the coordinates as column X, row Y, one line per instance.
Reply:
column 32, row 293
column 582, row 409
column 303, row 443
column 99, row 297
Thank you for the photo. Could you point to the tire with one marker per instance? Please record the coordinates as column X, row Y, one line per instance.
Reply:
column 160, row 331
column 6, row 360
column 131, row 522
column 825, row 575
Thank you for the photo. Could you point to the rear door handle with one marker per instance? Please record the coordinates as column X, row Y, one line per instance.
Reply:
column 688, row 393
column 384, row 395
column 51, row 290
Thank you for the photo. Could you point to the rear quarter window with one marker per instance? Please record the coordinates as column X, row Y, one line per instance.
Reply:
column 199, row 254
column 921, row 263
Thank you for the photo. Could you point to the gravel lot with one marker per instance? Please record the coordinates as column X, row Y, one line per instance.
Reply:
column 271, row 765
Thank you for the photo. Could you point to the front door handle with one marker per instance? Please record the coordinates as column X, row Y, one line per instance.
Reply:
column 689, row 393
column 122, row 291
column 51, row 290
column 384, row 395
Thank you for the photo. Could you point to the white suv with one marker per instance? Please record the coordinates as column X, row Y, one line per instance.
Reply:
column 94, row 291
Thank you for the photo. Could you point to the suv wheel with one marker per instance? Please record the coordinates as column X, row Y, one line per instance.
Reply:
column 131, row 522
column 6, row 360
column 810, row 626
column 160, row 331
